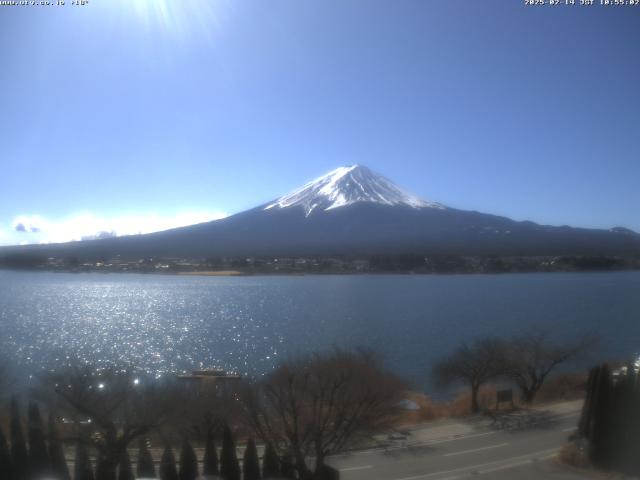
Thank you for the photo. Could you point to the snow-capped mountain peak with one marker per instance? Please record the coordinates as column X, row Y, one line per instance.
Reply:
column 346, row 186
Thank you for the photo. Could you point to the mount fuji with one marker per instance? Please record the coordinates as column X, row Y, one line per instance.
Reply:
column 353, row 211
column 346, row 186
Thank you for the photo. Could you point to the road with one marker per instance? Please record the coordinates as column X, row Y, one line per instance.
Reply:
column 515, row 447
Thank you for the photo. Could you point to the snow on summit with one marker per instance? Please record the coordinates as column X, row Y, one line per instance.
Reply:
column 346, row 186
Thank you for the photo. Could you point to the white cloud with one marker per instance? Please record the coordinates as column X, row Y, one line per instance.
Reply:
column 37, row 229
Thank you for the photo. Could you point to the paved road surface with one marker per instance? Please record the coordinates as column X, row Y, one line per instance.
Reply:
column 516, row 447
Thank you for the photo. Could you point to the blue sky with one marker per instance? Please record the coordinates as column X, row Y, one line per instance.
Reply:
column 133, row 115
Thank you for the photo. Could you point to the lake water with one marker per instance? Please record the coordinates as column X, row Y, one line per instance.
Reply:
column 248, row 324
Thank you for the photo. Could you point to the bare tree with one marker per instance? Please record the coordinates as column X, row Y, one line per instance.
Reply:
column 474, row 364
column 203, row 411
column 529, row 359
column 322, row 404
column 111, row 408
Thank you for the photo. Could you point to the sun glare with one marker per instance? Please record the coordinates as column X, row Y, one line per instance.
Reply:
column 175, row 17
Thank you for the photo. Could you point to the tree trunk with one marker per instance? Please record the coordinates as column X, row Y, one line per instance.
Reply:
column 304, row 473
column 107, row 466
column 527, row 396
column 106, row 469
column 528, row 392
column 475, row 406
column 319, row 470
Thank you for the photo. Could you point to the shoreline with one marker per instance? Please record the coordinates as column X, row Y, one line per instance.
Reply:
column 240, row 273
column 210, row 273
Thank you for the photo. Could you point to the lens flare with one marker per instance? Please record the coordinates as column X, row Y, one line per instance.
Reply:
column 180, row 18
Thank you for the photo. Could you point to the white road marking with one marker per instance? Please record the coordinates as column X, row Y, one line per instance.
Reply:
column 495, row 463
column 506, row 466
column 572, row 429
column 453, row 454
column 350, row 469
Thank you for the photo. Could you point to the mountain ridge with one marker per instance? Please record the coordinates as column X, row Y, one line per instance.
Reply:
column 353, row 211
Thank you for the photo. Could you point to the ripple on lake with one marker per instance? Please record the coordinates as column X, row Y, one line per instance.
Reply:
column 169, row 323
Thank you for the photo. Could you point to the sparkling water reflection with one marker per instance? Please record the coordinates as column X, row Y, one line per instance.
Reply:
column 168, row 323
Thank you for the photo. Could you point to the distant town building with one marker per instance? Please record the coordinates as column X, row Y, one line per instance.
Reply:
column 211, row 381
